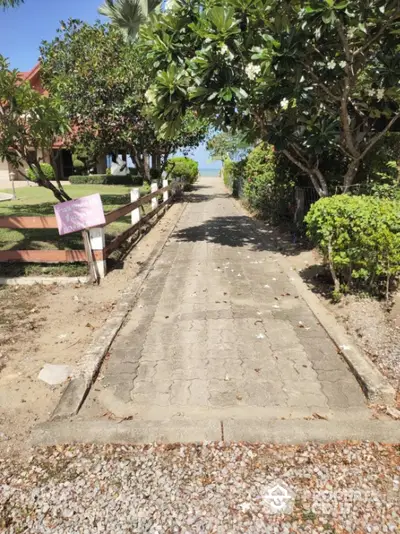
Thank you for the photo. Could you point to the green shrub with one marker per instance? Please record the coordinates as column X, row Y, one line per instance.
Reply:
column 263, row 183
column 102, row 179
column 183, row 169
column 47, row 170
column 360, row 239
column 233, row 172
column 78, row 165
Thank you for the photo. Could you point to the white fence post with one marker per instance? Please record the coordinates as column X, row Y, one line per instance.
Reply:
column 165, row 194
column 154, row 200
column 135, row 214
column 98, row 242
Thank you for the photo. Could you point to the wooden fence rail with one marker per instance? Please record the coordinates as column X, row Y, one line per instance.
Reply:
column 100, row 250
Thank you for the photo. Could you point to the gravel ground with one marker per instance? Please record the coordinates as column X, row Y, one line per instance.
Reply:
column 209, row 488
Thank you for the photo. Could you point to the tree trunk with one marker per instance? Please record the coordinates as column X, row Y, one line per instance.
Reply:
column 42, row 181
column 146, row 166
column 316, row 176
column 351, row 173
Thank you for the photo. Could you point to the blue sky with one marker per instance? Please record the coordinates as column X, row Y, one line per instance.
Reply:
column 23, row 28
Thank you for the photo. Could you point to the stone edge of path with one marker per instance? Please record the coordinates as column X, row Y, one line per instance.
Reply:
column 375, row 385
column 44, row 280
column 282, row 432
column 76, row 391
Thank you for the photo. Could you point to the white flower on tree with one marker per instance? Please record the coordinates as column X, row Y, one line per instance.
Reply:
column 284, row 103
column 331, row 65
column 380, row 93
column 343, row 64
column 252, row 71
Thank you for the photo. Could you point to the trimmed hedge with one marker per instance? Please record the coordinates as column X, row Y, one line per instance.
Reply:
column 47, row 170
column 360, row 239
column 184, row 169
column 104, row 179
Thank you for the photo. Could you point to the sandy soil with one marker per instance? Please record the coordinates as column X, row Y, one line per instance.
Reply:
column 54, row 324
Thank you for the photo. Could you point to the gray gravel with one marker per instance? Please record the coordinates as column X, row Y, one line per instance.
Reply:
column 210, row 488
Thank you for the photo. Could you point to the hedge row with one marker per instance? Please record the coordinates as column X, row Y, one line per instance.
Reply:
column 359, row 237
column 263, row 182
column 105, row 179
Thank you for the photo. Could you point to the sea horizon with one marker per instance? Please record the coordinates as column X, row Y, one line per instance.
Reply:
column 209, row 172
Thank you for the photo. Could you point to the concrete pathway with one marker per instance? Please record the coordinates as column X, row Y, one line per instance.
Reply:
column 219, row 332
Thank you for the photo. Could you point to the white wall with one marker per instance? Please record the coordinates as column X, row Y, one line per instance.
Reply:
column 4, row 175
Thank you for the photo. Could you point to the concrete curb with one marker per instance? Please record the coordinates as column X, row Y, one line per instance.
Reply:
column 375, row 385
column 44, row 280
column 77, row 390
column 288, row 432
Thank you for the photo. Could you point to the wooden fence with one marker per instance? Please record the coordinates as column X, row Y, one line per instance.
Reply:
column 99, row 250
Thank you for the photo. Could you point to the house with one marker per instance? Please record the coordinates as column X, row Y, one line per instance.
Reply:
column 60, row 157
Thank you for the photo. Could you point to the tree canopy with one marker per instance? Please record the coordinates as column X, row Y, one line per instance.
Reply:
column 103, row 82
column 315, row 78
column 225, row 145
column 10, row 3
column 29, row 123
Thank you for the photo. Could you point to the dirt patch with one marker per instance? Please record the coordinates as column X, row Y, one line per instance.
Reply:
column 55, row 324
column 373, row 324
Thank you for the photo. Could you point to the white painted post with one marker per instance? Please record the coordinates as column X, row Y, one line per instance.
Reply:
column 135, row 214
column 154, row 200
column 165, row 194
column 98, row 242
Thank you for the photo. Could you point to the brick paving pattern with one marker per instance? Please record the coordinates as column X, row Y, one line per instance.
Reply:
column 220, row 331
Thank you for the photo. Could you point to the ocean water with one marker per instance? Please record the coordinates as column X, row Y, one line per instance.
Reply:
column 209, row 172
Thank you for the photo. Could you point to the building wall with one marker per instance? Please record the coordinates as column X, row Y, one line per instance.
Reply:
column 4, row 174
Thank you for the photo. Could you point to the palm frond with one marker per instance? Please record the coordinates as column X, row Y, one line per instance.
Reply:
column 128, row 15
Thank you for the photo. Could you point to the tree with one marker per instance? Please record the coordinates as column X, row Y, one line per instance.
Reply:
column 104, row 83
column 128, row 15
column 29, row 124
column 228, row 145
column 10, row 3
column 317, row 79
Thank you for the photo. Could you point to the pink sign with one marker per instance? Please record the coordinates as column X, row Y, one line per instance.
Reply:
column 79, row 214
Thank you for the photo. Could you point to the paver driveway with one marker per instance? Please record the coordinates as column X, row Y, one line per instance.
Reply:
column 219, row 331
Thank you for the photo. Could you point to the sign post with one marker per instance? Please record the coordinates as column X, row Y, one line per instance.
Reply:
column 81, row 215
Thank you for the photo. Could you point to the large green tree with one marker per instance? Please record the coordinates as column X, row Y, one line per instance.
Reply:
column 103, row 82
column 228, row 145
column 317, row 78
column 30, row 123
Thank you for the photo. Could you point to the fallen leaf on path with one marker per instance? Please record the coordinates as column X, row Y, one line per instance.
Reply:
column 319, row 416
column 393, row 412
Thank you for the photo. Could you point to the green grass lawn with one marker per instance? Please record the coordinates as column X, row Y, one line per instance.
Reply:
column 39, row 201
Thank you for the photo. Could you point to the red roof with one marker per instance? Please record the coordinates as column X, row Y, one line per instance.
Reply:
column 33, row 77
